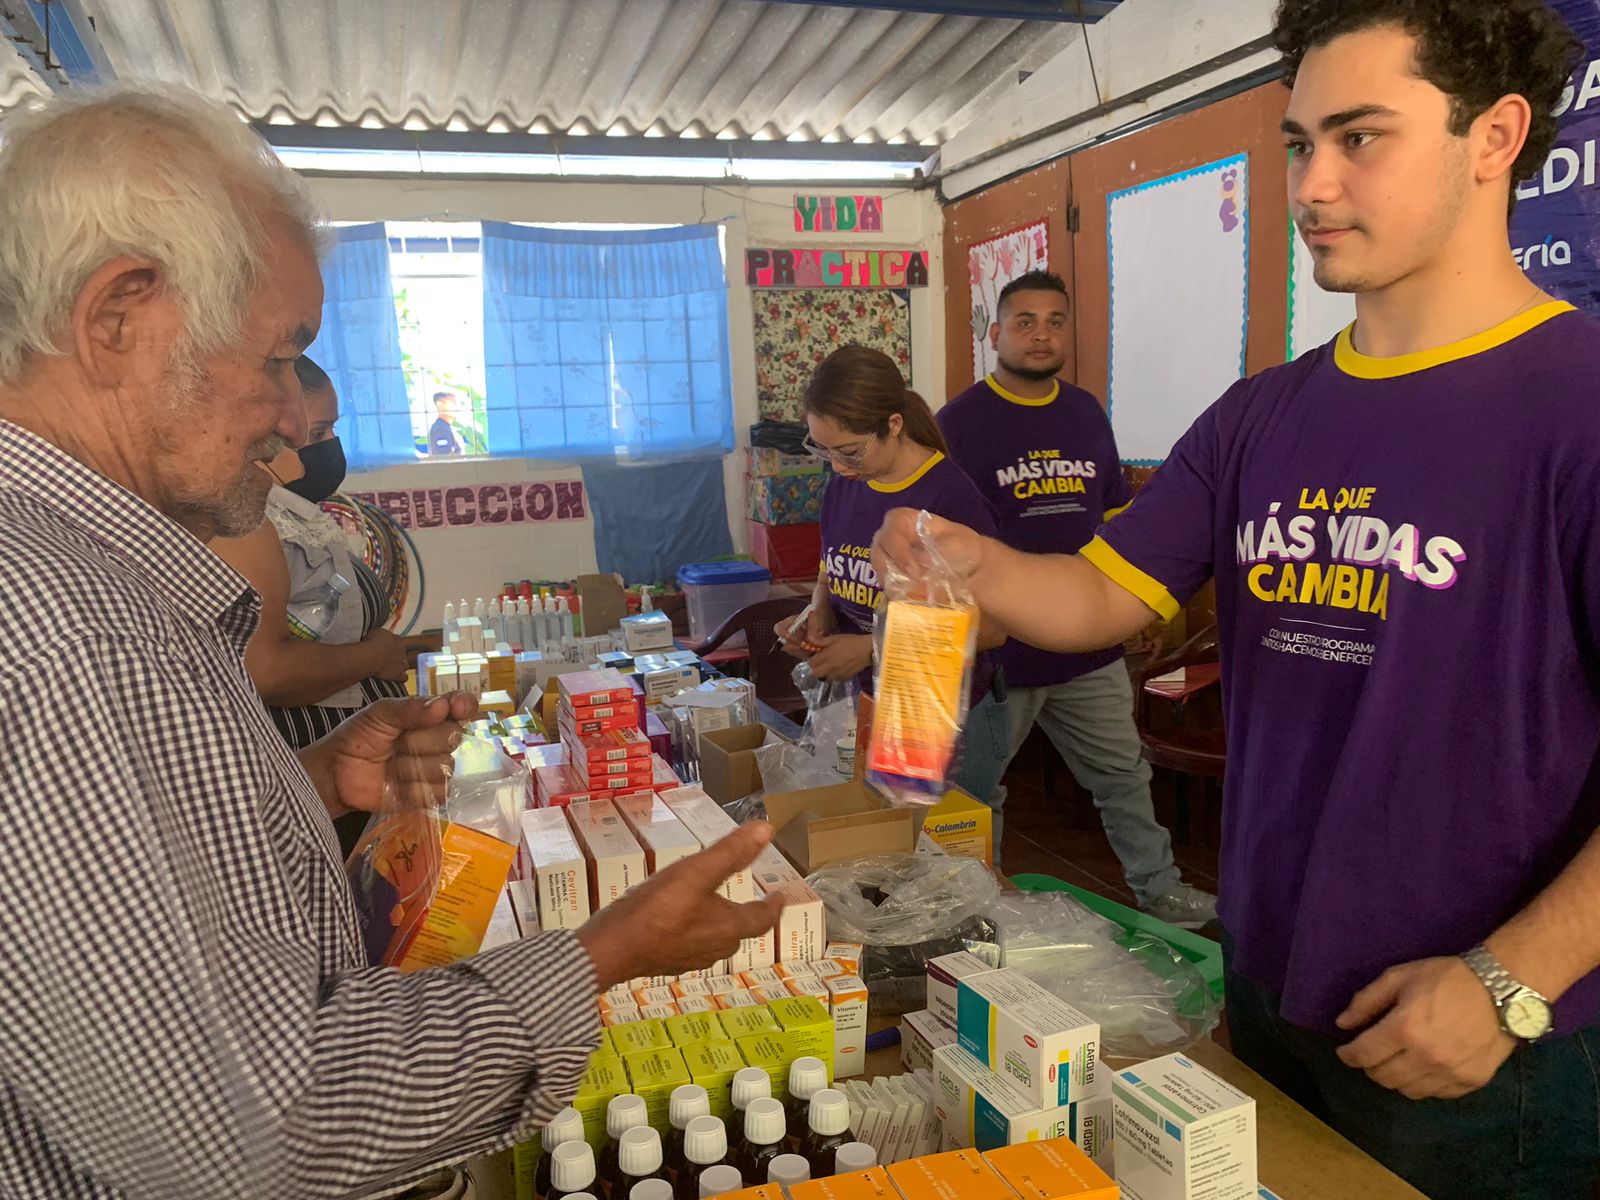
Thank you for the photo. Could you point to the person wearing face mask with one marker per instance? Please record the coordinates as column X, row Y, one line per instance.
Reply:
column 887, row 452
column 297, row 560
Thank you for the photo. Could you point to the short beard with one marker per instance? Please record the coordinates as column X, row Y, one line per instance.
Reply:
column 1034, row 374
column 240, row 510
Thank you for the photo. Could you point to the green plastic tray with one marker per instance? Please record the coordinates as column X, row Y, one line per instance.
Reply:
column 1202, row 952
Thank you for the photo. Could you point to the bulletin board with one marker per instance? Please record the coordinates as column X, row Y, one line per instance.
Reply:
column 1315, row 316
column 796, row 329
column 991, row 264
column 1178, row 249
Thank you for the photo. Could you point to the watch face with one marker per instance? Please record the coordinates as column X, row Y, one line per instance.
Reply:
column 1527, row 1017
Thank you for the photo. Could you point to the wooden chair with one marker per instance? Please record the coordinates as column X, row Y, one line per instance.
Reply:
column 771, row 666
column 1185, row 738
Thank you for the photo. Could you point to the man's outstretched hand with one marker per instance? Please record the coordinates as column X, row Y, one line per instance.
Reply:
column 677, row 921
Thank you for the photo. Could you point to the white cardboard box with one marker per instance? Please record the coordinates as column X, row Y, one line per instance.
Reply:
column 803, row 925
column 615, row 859
column 555, row 866
column 943, row 976
column 704, row 818
column 980, row 1109
column 665, row 839
column 1183, row 1134
column 847, row 1004
column 921, row 1033
column 1043, row 1045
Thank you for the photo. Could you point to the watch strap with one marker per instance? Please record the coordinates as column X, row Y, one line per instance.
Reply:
column 1492, row 973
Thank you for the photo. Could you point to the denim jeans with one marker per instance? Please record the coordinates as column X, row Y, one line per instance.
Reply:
column 1532, row 1134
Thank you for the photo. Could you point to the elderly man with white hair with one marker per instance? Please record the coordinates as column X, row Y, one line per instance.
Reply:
column 184, row 1005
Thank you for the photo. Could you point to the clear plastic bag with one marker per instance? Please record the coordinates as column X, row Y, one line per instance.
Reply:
column 905, row 909
column 1148, row 1000
column 412, row 854
column 813, row 760
column 925, row 642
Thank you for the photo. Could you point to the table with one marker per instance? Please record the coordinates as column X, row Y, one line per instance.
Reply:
column 1300, row 1158
column 1196, row 678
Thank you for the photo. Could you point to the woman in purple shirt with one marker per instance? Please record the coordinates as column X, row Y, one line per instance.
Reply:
column 888, row 452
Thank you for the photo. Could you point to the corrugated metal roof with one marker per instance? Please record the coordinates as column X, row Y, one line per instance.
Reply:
column 738, row 68
column 18, row 83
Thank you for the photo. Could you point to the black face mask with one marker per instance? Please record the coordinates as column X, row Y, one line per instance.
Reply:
column 324, row 464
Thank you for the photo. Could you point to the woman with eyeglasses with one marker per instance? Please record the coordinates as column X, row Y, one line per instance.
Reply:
column 887, row 452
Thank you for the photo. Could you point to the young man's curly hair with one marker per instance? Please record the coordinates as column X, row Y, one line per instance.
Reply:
column 1474, row 51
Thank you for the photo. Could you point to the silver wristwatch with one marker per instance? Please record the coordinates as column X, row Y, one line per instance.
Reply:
column 1524, row 1013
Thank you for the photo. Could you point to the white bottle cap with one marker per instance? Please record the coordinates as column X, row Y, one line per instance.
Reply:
column 639, row 1152
column 688, row 1102
column 625, row 1113
column 854, row 1156
column 764, row 1123
column 719, row 1181
column 583, row 1196
column 830, row 1113
column 752, row 1083
column 572, row 1167
column 807, row 1077
column 787, row 1170
column 567, row 1127
column 651, row 1189
column 705, row 1141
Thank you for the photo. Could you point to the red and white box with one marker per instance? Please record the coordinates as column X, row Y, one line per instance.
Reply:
column 558, row 787
column 603, row 718
column 588, row 689
column 618, row 745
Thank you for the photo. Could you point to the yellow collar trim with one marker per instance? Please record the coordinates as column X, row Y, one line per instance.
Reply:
column 1055, row 390
column 1352, row 362
column 933, row 460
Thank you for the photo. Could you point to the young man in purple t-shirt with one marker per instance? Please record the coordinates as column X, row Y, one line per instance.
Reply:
column 1042, row 454
column 1404, row 531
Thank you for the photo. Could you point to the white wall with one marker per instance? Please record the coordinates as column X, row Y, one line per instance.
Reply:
column 476, row 561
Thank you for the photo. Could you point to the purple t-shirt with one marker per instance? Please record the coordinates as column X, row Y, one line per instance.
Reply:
column 852, row 513
column 1051, row 471
column 1407, row 559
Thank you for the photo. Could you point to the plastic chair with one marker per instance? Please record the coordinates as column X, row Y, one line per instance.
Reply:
column 771, row 666
column 1187, row 739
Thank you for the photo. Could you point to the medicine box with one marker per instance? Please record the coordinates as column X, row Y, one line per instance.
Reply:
column 803, row 923
column 664, row 839
column 1043, row 1045
column 615, row 859
column 858, row 1185
column 944, row 974
column 653, row 1074
column 603, row 1081
column 979, row 1108
column 847, row 1006
column 921, row 1033
column 712, row 1065
column 1051, row 1170
column 706, row 820
column 747, row 1021
column 959, row 1175
column 772, row 1053
column 1183, row 1134
column 809, row 1026
column 689, row 1028
column 554, row 863
column 589, row 689
column 638, row 1036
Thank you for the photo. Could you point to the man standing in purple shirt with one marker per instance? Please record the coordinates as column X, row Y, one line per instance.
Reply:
column 1404, row 530
column 1042, row 454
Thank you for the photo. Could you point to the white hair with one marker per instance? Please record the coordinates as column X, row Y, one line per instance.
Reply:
column 167, row 175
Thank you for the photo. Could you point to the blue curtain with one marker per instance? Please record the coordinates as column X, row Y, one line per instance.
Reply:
column 359, row 347
column 600, row 341
column 650, row 520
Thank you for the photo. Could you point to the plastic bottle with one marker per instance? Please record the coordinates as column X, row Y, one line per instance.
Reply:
column 719, row 1181
column 622, row 1114
column 647, row 602
column 688, row 1102
column 552, row 623
column 829, row 1129
column 524, row 624
column 568, row 626
column 651, row 1189
column 705, row 1148
column 638, row 1159
column 807, row 1077
column 751, row 1083
column 480, row 609
column 787, row 1170
column 572, row 1172
column 567, row 1127
column 854, row 1156
column 312, row 617
column 449, row 625
column 763, row 1138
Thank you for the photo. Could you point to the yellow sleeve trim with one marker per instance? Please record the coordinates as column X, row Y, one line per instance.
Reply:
column 1130, row 579
column 1112, row 512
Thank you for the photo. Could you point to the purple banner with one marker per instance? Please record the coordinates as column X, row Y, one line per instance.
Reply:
column 482, row 504
column 1555, row 231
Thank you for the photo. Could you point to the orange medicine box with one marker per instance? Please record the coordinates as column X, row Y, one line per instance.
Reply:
column 858, row 1185
column 1052, row 1170
column 767, row 1191
column 959, row 1175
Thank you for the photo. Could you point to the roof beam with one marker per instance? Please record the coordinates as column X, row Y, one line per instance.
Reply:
column 1079, row 11
column 58, row 40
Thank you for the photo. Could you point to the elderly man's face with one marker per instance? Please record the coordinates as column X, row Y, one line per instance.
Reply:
column 214, row 420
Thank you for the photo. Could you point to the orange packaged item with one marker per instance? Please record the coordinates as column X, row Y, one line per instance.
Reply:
column 960, row 1175
column 1051, row 1170
column 858, row 1185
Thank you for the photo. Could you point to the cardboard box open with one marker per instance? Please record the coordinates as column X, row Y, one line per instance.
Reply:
column 728, row 767
column 818, row 826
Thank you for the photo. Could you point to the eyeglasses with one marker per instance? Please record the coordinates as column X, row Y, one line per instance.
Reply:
column 838, row 457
